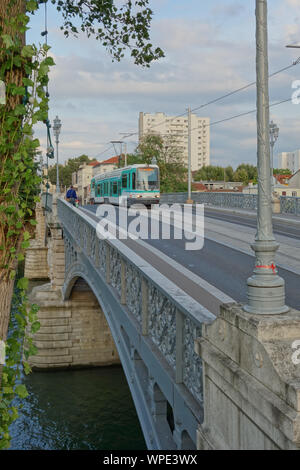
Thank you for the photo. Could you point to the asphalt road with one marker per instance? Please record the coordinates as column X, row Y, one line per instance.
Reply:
column 224, row 267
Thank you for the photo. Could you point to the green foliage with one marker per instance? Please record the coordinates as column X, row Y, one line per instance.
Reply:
column 281, row 171
column 243, row 173
column 210, row 172
column 173, row 173
column 120, row 28
column 246, row 173
column 24, row 319
column 24, row 69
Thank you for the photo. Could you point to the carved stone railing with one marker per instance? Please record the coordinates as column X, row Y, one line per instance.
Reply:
column 226, row 199
column 290, row 205
column 163, row 313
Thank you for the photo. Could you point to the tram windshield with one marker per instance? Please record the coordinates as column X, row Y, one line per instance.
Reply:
column 147, row 179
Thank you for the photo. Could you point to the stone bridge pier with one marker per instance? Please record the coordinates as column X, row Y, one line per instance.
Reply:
column 73, row 332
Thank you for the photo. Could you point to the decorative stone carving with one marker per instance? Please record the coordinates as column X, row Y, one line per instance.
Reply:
column 133, row 292
column 115, row 267
column 162, row 324
column 192, row 369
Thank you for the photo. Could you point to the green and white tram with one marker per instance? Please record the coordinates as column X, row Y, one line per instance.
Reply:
column 137, row 183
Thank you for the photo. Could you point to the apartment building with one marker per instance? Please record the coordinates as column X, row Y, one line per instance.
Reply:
column 175, row 129
column 290, row 160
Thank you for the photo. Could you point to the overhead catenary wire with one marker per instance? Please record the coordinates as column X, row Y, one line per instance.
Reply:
column 238, row 90
column 235, row 116
column 231, row 93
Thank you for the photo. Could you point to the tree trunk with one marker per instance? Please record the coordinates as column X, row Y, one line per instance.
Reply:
column 15, row 76
column 6, row 291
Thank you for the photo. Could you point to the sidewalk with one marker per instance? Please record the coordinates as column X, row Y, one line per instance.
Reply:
column 285, row 218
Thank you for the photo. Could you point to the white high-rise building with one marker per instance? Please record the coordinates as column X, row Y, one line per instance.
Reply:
column 176, row 129
column 290, row 160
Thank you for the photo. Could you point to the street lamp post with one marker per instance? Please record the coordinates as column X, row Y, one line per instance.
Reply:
column 266, row 290
column 56, row 132
column 274, row 134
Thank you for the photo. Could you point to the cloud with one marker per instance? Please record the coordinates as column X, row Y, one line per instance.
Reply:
column 210, row 51
column 233, row 9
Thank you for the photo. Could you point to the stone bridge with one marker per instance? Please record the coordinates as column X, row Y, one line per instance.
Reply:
column 199, row 378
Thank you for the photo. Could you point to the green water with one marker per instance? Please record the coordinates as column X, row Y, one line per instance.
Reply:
column 80, row 409
column 76, row 409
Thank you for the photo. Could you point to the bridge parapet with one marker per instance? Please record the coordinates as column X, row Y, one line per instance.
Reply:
column 220, row 199
column 162, row 312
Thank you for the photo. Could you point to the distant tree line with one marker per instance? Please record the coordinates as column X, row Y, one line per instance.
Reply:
column 244, row 173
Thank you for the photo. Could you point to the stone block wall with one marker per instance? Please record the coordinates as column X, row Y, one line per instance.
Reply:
column 36, row 257
column 73, row 333
column 251, row 384
column 36, row 262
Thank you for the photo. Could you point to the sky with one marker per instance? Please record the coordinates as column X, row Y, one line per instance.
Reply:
column 209, row 51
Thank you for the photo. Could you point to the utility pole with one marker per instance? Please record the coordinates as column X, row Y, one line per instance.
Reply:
column 118, row 142
column 266, row 290
column 189, row 199
column 125, row 151
column 274, row 134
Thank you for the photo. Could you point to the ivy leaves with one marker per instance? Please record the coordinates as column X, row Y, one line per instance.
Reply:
column 24, row 69
column 24, row 320
column 120, row 29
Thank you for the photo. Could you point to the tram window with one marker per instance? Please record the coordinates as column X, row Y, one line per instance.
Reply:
column 115, row 187
column 133, row 180
column 124, row 181
column 98, row 189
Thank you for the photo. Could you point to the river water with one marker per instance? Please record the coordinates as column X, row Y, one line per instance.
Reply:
column 77, row 409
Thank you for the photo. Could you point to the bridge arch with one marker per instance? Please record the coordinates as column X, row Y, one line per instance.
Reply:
column 92, row 341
